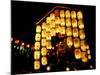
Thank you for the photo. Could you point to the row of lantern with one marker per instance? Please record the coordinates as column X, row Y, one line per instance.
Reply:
column 64, row 22
column 67, row 14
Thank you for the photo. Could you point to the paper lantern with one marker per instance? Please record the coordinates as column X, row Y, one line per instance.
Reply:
column 62, row 30
column 48, row 28
column 77, row 53
column 37, row 65
column 89, row 57
column 76, row 42
column 44, row 60
column 74, row 23
column 43, row 25
column 88, row 51
column 36, row 55
column 84, row 54
column 37, row 37
column 69, row 41
column 69, row 31
column 84, row 60
column 38, row 28
column 75, row 32
column 43, row 33
column 80, row 24
column 79, row 15
column 62, row 22
column 53, row 32
column 37, row 45
column 49, row 46
column 48, row 36
column 52, row 16
column 62, row 13
column 48, row 20
column 43, row 51
column 67, row 13
column 57, row 20
column 82, row 34
column 73, row 14
column 43, row 42
column 52, row 24
column 58, row 29
column 68, row 22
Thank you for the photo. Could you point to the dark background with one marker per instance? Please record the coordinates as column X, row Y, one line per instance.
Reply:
column 24, row 15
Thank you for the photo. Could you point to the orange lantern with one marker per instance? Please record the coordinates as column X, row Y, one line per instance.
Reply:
column 80, row 24
column 74, row 23
column 44, row 60
column 79, row 15
column 76, row 43
column 82, row 34
column 43, row 51
column 73, row 14
column 69, row 41
column 67, row 13
column 43, row 42
column 36, row 55
column 37, row 45
column 75, row 32
column 62, row 13
column 37, row 37
column 37, row 65
column 69, row 31
column 77, row 53
column 68, row 22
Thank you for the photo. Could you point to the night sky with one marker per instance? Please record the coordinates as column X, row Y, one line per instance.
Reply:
column 24, row 15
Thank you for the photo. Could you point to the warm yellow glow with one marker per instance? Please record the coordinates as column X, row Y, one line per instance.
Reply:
column 77, row 53
column 53, row 32
column 48, row 20
column 43, row 51
column 74, row 23
column 16, row 41
column 75, row 32
column 36, row 54
column 83, row 45
column 89, row 57
column 43, row 42
column 88, row 51
column 36, row 65
column 52, row 24
column 62, row 30
column 73, row 14
column 68, row 22
column 27, row 45
column 37, row 45
column 37, row 37
column 43, row 25
column 22, row 44
column 38, row 28
column 69, row 31
column 69, row 41
column 57, row 29
column 82, row 34
column 62, row 13
column 76, row 42
column 67, row 14
column 80, row 24
column 57, row 20
column 52, row 16
column 62, row 22
column 44, row 60
column 84, row 54
column 43, row 33
column 48, row 28
column 49, row 46
column 79, row 15
column 87, row 46
column 48, row 36
column 48, row 68
column 84, row 60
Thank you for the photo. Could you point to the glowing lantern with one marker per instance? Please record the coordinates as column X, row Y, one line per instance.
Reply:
column 80, row 24
column 83, row 45
column 89, row 57
column 43, row 25
column 87, row 47
column 38, row 28
column 68, row 22
column 75, row 32
column 49, row 46
column 73, row 14
column 37, row 37
column 52, row 16
column 57, row 20
column 67, row 13
column 84, row 55
column 48, row 28
column 52, row 25
column 44, row 60
column 62, row 22
column 43, row 42
column 62, row 30
column 57, row 28
column 37, row 45
column 62, row 13
column 48, row 36
column 84, row 60
column 74, row 23
column 69, row 41
column 36, row 65
column 76, row 43
column 43, row 33
column 69, row 31
column 43, row 51
column 36, row 54
column 77, row 53
column 82, row 34
column 22, row 44
column 53, row 32
column 88, row 51
column 79, row 15
column 16, row 41
column 48, row 20
column 27, row 45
